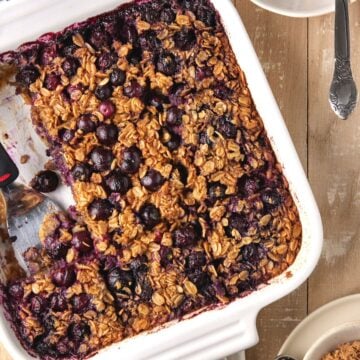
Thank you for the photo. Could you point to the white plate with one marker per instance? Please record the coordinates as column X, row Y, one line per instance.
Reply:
column 298, row 8
column 329, row 316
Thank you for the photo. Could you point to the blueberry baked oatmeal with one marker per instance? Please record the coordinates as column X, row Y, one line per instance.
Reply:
column 180, row 201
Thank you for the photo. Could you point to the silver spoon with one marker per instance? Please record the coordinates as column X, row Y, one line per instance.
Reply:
column 343, row 93
column 284, row 357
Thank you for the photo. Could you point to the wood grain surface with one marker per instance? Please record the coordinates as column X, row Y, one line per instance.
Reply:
column 296, row 55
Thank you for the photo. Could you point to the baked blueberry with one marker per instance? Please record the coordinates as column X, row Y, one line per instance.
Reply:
column 45, row 181
column 55, row 248
column 117, row 77
column 134, row 89
column 185, row 39
column 226, row 128
column 101, row 158
column 100, row 209
column 38, row 304
column 78, row 330
column 186, row 235
column 27, row 75
column 107, row 109
column 81, row 172
column 174, row 116
column 150, row 216
column 70, row 66
column 66, row 135
column 106, row 60
column 58, row 302
column 167, row 63
column 117, row 182
column 87, row 123
column 82, row 241
column 107, row 134
column 80, row 303
column 52, row 81
column 153, row 180
column 131, row 160
column 64, row 276
column 103, row 92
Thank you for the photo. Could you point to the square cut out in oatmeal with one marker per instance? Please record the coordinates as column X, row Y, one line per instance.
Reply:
column 180, row 201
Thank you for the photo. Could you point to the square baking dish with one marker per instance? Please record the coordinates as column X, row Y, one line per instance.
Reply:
column 217, row 332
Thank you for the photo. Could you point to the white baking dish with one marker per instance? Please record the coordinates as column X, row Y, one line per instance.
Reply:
column 214, row 333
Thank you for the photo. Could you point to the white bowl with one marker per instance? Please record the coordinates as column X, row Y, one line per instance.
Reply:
column 215, row 333
column 297, row 8
column 336, row 336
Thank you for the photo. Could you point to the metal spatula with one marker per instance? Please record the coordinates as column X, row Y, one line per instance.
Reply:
column 25, row 209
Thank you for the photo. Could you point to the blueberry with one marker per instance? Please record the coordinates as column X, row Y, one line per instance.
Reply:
column 134, row 89
column 132, row 158
column 226, row 128
column 100, row 209
column 153, row 180
column 16, row 291
column 238, row 222
column 185, row 39
column 64, row 276
column 52, row 81
column 106, row 60
column 27, row 75
column 87, row 123
column 204, row 138
column 200, row 279
column 99, row 38
column 156, row 99
column 202, row 73
column 119, row 281
column 222, row 92
column 149, row 40
column 196, row 260
column 188, row 4
column 176, row 94
column 78, row 330
column 117, row 182
column 55, row 248
column 271, row 199
column 150, row 216
column 66, row 135
column 102, row 158
column 45, row 181
column 58, row 302
column 107, row 134
column 151, row 15
column 42, row 347
column 172, row 141
column 185, row 236
column 103, row 92
column 167, row 63
column 248, row 185
column 63, row 347
column 117, row 77
column 216, row 191
column 135, row 56
column 81, row 172
column 206, row 15
column 82, row 241
column 129, row 34
column 38, row 304
column 48, row 54
column 167, row 15
column 253, row 253
column 107, row 108
column 80, row 303
column 70, row 66
column 174, row 116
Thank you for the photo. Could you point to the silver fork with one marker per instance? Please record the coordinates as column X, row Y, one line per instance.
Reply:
column 25, row 209
column 343, row 92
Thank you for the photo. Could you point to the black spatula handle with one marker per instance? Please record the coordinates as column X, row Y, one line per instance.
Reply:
column 8, row 170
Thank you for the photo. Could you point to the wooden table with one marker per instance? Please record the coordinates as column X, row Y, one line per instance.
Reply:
column 296, row 55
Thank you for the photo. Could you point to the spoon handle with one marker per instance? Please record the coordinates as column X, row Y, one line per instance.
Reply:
column 343, row 93
column 342, row 35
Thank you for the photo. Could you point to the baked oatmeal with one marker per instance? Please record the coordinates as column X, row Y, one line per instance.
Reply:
column 180, row 201
column 348, row 351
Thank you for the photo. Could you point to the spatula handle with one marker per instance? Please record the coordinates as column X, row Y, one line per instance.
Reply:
column 8, row 170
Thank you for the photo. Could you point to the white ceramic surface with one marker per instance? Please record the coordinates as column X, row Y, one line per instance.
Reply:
column 217, row 333
column 298, row 8
column 336, row 336
column 328, row 325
